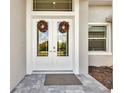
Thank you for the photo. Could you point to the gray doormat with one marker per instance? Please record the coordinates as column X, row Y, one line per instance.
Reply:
column 61, row 79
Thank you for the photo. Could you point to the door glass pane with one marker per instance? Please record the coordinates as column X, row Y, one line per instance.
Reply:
column 97, row 44
column 52, row 5
column 42, row 40
column 62, row 42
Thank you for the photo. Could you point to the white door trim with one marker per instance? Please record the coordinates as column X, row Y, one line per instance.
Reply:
column 29, row 15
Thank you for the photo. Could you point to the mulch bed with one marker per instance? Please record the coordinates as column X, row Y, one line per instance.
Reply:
column 103, row 75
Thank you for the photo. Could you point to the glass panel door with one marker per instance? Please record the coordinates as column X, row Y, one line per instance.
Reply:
column 52, row 44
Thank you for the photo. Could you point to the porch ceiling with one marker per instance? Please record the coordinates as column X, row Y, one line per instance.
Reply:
column 100, row 2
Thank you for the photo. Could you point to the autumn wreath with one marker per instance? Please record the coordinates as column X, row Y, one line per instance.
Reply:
column 64, row 27
column 42, row 26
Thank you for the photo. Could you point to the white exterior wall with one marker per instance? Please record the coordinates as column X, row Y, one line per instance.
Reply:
column 83, row 34
column 100, row 60
column 18, row 42
column 98, row 14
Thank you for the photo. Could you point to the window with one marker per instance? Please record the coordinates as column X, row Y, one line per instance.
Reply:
column 99, row 37
column 52, row 5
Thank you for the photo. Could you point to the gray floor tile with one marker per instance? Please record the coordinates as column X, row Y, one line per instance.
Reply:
column 35, row 84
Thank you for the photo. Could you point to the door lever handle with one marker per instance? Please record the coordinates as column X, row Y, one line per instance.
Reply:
column 52, row 51
column 54, row 47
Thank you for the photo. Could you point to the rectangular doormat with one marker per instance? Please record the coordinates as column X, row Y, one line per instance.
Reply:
column 61, row 79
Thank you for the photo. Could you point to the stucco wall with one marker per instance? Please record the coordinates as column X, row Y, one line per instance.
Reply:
column 98, row 14
column 100, row 60
column 83, row 34
column 18, row 42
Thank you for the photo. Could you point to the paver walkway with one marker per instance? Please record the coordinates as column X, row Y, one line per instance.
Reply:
column 35, row 84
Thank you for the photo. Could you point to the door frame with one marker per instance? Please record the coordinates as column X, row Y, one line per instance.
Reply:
column 31, row 14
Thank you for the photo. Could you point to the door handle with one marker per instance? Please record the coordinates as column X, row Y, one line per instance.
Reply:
column 54, row 47
column 54, row 51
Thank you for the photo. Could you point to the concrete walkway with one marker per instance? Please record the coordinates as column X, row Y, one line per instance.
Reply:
column 35, row 84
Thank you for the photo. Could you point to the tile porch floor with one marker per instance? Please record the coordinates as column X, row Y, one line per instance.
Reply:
column 35, row 84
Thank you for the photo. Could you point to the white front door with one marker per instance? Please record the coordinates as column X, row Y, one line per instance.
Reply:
column 52, row 44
